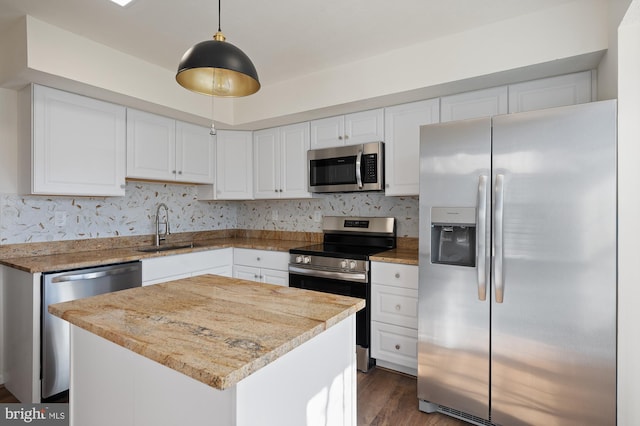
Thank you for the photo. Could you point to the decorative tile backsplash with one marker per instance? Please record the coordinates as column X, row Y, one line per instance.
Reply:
column 26, row 218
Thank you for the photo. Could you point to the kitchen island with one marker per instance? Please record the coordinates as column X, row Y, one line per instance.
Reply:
column 212, row 350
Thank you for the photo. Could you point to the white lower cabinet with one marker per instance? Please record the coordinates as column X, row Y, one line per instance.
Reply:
column 394, row 316
column 175, row 267
column 271, row 267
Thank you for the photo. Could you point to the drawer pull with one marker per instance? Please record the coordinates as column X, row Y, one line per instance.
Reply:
column 398, row 307
column 397, row 347
column 258, row 259
column 397, row 274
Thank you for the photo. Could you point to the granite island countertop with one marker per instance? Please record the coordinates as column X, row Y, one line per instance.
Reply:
column 215, row 329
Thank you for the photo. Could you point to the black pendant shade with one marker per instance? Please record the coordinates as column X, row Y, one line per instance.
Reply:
column 217, row 68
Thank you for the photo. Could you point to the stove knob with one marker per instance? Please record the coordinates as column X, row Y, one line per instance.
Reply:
column 298, row 259
column 306, row 259
column 352, row 265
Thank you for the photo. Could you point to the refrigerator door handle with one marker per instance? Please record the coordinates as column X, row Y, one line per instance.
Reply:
column 498, row 239
column 481, row 260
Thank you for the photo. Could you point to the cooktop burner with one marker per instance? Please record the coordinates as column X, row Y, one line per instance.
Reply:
column 339, row 250
column 354, row 238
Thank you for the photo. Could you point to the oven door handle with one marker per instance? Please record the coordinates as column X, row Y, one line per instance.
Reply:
column 346, row 276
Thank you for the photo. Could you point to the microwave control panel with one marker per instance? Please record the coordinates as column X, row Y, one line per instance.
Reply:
column 370, row 168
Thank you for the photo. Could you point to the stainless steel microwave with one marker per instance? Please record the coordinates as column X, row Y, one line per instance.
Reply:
column 350, row 168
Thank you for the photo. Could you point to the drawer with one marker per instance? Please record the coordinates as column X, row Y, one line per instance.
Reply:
column 261, row 258
column 398, row 345
column 394, row 305
column 395, row 274
column 180, row 264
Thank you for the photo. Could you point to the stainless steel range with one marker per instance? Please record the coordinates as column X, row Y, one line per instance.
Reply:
column 340, row 265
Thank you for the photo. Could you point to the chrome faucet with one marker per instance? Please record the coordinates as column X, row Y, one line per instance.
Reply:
column 165, row 223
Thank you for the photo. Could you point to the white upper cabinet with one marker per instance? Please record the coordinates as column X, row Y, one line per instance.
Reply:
column 161, row 148
column 151, row 146
column 72, row 145
column 350, row 129
column 280, row 159
column 402, row 144
column 195, row 153
column 563, row 90
column 476, row 104
column 234, row 165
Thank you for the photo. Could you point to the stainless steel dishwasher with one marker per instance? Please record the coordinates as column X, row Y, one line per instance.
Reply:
column 71, row 285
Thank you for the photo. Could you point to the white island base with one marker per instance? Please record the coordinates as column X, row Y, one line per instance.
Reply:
column 313, row 384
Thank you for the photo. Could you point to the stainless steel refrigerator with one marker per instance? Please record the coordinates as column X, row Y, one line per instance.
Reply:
column 517, row 296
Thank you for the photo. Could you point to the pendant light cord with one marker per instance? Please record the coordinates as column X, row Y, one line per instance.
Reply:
column 219, row 15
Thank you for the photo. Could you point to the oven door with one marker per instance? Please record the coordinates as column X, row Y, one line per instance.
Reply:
column 344, row 288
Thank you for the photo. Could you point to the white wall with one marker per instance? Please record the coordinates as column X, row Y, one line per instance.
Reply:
column 8, row 141
column 628, row 214
column 526, row 47
column 608, row 67
column 544, row 37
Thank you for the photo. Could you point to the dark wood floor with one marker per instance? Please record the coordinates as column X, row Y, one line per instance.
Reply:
column 384, row 398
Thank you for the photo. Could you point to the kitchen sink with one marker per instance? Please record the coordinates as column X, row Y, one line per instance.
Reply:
column 154, row 249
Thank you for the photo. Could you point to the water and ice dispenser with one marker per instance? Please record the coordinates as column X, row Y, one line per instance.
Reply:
column 453, row 236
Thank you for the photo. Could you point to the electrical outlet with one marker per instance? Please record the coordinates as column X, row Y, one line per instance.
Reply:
column 60, row 219
column 274, row 214
column 317, row 216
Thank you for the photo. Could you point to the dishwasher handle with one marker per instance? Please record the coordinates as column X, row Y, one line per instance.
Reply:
column 73, row 276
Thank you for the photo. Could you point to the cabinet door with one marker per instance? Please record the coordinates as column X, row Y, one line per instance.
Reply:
column 195, row 152
column 327, row 132
column 151, row 146
column 266, row 168
column 243, row 272
column 294, row 178
column 402, row 144
column 394, row 305
column 563, row 90
column 398, row 345
column 234, row 166
column 479, row 103
column 78, row 145
column 273, row 276
column 365, row 126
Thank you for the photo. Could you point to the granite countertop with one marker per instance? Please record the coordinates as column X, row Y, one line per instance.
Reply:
column 407, row 256
column 215, row 329
column 114, row 254
column 89, row 258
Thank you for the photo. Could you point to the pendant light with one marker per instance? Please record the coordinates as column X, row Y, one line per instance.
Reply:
column 217, row 68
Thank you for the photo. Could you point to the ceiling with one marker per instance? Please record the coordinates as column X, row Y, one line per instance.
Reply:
column 284, row 38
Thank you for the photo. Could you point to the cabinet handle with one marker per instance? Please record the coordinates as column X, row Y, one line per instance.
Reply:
column 339, row 137
column 397, row 275
column 256, row 277
column 281, row 190
column 275, row 190
column 180, row 172
column 398, row 307
column 346, row 137
column 397, row 347
column 258, row 258
column 173, row 171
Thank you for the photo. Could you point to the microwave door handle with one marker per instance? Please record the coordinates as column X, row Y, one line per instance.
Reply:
column 359, row 169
